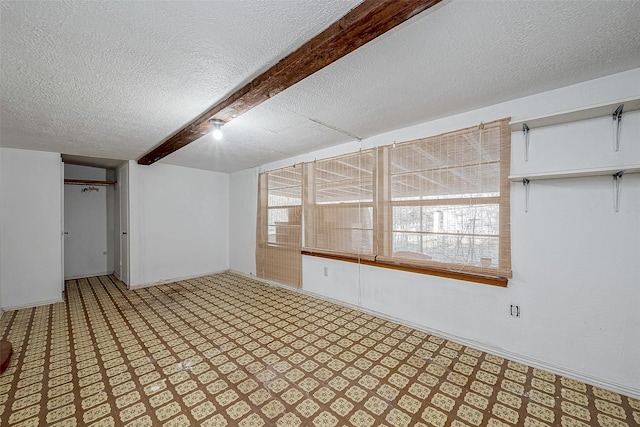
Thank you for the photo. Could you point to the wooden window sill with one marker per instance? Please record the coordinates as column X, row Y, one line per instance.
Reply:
column 433, row 271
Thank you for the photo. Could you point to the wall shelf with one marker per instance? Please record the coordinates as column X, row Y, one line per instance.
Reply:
column 577, row 173
column 88, row 182
column 616, row 173
column 591, row 112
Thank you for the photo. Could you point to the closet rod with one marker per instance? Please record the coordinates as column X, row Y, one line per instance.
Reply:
column 88, row 182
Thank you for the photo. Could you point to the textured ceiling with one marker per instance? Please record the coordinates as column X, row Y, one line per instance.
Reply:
column 114, row 79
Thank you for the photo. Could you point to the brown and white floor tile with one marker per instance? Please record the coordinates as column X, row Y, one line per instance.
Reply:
column 226, row 350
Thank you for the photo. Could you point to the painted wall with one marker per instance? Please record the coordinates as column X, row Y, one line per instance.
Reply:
column 84, row 172
column 112, row 212
column 30, row 227
column 576, row 273
column 179, row 221
column 1, row 216
column 243, row 205
column 89, row 222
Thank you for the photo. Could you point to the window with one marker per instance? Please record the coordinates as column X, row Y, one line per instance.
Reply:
column 448, row 200
column 339, row 208
column 278, row 236
column 439, row 205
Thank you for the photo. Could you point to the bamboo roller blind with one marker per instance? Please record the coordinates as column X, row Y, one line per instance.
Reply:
column 338, row 209
column 440, row 202
column 444, row 200
column 279, row 225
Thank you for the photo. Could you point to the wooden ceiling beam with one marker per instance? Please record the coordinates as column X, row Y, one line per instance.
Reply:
column 368, row 20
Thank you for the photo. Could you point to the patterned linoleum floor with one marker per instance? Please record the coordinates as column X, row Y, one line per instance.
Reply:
column 228, row 350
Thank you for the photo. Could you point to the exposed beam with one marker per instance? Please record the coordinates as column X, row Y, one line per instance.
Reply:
column 362, row 24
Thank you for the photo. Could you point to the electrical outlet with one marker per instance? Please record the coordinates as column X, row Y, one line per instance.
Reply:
column 514, row 310
column 325, row 271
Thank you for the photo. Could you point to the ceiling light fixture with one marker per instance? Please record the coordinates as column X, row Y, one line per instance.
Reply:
column 217, row 128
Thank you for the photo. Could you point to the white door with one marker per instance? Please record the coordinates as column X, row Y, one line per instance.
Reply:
column 123, row 192
column 63, row 233
column 86, row 231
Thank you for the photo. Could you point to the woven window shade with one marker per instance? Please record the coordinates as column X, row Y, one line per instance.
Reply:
column 437, row 204
column 279, row 225
column 443, row 201
column 339, row 204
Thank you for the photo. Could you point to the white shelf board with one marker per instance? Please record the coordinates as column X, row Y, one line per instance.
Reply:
column 576, row 173
column 591, row 112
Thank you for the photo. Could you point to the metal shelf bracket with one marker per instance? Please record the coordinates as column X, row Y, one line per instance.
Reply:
column 525, row 131
column 617, row 181
column 526, row 184
column 617, row 125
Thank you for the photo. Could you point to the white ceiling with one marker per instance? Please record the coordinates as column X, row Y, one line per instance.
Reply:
column 113, row 79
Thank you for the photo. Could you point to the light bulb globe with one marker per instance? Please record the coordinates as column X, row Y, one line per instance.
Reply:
column 217, row 134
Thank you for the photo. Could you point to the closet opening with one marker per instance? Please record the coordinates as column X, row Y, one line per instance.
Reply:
column 95, row 214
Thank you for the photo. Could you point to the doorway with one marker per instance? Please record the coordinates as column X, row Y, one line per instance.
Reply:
column 95, row 221
column 89, row 233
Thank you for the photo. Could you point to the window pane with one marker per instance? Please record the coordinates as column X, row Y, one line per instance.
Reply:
column 284, row 225
column 345, row 179
column 454, row 165
column 452, row 234
column 278, row 215
column 446, row 248
column 345, row 228
column 340, row 210
column 459, row 219
column 285, row 187
column 278, row 234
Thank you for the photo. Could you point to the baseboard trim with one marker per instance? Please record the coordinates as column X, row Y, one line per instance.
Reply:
column 177, row 279
column 34, row 304
column 579, row 376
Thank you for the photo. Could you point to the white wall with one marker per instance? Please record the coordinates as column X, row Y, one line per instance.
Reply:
column 576, row 274
column 89, row 222
column 84, row 172
column 179, row 221
column 243, row 204
column 30, row 227
column 1, row 216
column 112, row 231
